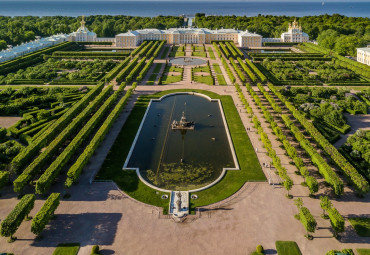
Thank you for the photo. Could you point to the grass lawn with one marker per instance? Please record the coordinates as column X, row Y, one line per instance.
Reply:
column 173, row 69
column 204, row 79
column 151, row 79
column 287, row 248
column 199, row 48
column 157, row 68
column 201, row 69
column 129, row 182
column 167, row 79
column 221, row 79
column 217, row 68
column 363, row 251
column 361, row 226
column 165, row 52
column 211, row 53
column 199, row 54
column 67, row 249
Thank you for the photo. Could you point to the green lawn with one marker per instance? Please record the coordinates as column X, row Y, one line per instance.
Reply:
column 204, row 79
column 199, row 54
column 151, row 79
column 173, row 69
column 167, row 79
column 129, row 182
column 67, row 249
column 201, row 69
column 217, row 68
column 211, row 53
column 165, row 52
column 221, row 79
column 361, row 226
column 199, row 48
column 157, row 68
column 287, row 248
column 363, row 251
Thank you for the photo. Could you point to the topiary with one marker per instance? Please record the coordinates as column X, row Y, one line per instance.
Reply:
column 95, row 250
column 259, row 249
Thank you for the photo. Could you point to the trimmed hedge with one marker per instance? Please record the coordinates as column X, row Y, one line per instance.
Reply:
column 26, row 155
column 121, row 76
column 115, row 71
column 51, row 173
column 14, row 219
column 46, row 213
column 308, row 221
column 36, row 165
column 138, row 49
column 361, row 185
column 76, row 169
column 135, row 70
column 247, row 70
column 4, row 178
column 145, row 69
column 256, row 70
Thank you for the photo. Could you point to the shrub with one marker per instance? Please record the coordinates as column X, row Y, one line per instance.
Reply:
column 14, row 219
column 259, row 249
column 307, row 220
column 95, row 250
column 45, row 214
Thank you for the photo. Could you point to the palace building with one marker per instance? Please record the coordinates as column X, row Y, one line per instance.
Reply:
column 294, row 34
column 189, row 35
column 363, row 55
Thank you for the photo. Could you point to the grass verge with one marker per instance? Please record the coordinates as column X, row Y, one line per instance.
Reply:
column 287, row 248
column 361, row 226
column 67, row 249
column 363, row 251
column 129, row 182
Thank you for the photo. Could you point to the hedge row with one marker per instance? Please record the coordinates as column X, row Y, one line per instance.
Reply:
column 255, row 54
column 115, row 71
column 292, row 58
column 90, row 53
column 336, row 219
column 324, row 169
column 152, row 49
column 226, row 52
column 291, row 150
column 14, row 219
column 231, row 49
column 217, row 49
column 238, row 51
column 355, row 66
column 4, row 178
column 247, row 70
column 95, row 43
column 25, row 82
column 138, row 49
column 135, row 70
column 30, row 59
column 238, row 71
column 287, row 181
column 228, row 70
column 256, row 70
column 307, row 220
column 45, row 214
column 145, row 69
column 121, row 76
column 76, row 169
column 48, row 177
column 143, row 52
column 279, row 44
column 361, row 185
column 73, row 82
column 36, row 165
column 27, row 154
column 159, row 48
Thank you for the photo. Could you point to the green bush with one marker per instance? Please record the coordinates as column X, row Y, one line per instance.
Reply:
column 14, row 219
column 95, row 250
column 259, row 249
column 45, row 214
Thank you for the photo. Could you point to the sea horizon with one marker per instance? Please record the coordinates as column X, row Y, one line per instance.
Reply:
column 189, row 8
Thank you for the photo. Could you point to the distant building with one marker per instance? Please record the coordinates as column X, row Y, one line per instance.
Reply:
column 189, row 35
column 294, row 34
column 363, row 55
column 83, row 34
column 32, row 46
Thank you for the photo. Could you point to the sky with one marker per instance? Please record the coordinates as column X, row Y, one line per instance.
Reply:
column 328, row 1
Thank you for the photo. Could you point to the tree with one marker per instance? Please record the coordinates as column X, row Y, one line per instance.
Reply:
column 3, row 45
column 308, row 221
column 288, row 184
column 327, row 38
column 325, row 204
column 312, row 184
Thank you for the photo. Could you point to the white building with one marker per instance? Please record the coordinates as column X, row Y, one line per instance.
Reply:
column 83, row 34
column 32, row 46
column 294, row 34
column 363, row 55
column 189, row 35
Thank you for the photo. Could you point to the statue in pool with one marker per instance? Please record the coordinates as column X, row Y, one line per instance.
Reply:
column 183, row 124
